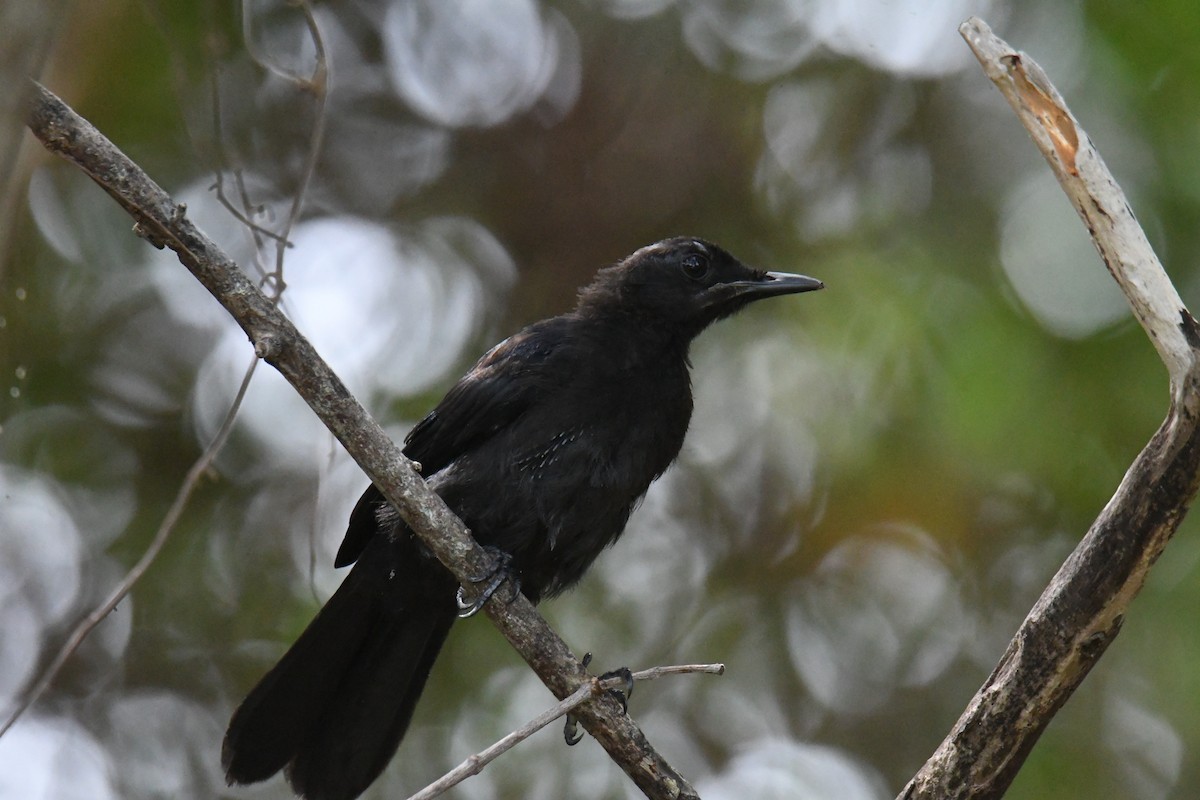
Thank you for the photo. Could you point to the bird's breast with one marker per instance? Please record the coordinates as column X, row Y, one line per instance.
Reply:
column 560, row 484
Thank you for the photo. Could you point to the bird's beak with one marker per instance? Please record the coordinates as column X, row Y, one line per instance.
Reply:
column 773, row 284
column 784, row 283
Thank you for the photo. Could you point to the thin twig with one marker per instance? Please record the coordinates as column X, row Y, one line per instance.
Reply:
column 474, row 764
column 243, row 217
column 122, row 589
column 654, row 673
column 261, row 59
column 243, row 214
column 317, row 84
column 183, row 92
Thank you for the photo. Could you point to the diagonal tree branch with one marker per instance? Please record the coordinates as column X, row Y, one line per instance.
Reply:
column 164, row 224
column 1082, row 609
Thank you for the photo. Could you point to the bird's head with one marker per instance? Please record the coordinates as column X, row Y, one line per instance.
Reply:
column 685, row 283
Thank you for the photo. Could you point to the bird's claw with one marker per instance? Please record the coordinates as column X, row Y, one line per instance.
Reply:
column 500, row 572
column 571, row 733
column 623, row 692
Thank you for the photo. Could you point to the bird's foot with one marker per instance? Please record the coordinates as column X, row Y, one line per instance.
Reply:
column 571, row 734
column 501, row 571
column 623, row 692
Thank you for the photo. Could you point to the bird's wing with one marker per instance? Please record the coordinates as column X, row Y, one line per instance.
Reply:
column 496, row 391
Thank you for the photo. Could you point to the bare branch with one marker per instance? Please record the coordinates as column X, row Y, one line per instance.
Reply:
column 163, row 223
column 1082, row 609
column 654, row 673
column 318, row 85
column 474, row 764
column 1093, row 191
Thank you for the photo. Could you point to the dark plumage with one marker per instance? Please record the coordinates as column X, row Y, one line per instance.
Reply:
column 543, row 448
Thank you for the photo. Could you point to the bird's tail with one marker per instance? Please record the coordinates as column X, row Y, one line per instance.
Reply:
column 333, row 710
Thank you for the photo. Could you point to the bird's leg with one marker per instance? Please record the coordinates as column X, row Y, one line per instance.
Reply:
column 571, row 734
column 501, row 571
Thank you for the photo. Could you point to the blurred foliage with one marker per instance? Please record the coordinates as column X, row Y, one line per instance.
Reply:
column 880, row 478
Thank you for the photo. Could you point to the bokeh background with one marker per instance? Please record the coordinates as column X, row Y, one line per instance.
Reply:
column 879, row 480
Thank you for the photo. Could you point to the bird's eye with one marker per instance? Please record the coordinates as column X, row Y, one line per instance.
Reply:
column 695, row 266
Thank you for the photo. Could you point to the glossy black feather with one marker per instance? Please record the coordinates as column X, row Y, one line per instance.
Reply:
column 543, row 449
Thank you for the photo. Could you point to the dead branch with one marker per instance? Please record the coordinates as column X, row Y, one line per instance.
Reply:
column 1082, row 609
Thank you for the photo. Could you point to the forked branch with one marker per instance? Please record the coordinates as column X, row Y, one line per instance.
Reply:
column 1082, row 609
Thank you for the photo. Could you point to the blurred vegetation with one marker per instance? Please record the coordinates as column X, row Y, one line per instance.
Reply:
column 880, row 477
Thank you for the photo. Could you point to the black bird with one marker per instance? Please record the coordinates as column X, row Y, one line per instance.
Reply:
column 543, row 449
